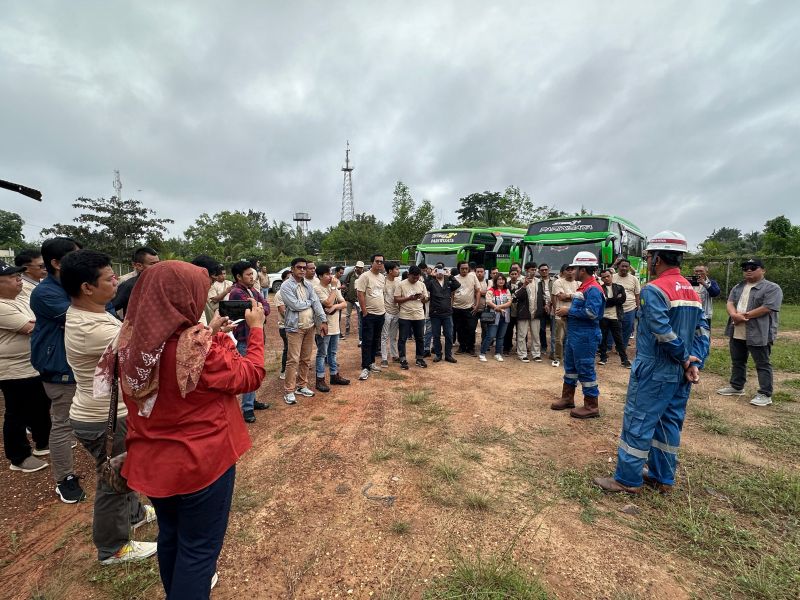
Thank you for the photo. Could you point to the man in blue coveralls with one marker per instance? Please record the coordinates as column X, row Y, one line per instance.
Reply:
column 583, row 337
column 672, row 342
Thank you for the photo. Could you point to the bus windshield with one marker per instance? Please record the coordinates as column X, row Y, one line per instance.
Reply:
column 555, row 256
column 431, row 258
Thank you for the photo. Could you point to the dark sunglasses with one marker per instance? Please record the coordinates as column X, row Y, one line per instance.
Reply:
column 750, row 268
column 380, row 262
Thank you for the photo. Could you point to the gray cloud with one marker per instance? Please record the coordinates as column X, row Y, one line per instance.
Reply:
column 666, row 113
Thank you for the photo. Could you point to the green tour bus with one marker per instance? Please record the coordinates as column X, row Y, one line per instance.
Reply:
column 487, row 246
column 557, row 241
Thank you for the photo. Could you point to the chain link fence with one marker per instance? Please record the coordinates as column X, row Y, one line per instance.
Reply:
column 727, row 271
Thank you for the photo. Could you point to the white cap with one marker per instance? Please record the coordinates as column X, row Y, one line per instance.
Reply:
column 584, row 259
column 668, row 240
column 360, row 263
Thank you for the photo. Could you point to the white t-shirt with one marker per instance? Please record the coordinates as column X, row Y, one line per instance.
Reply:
column 86, row 337
column 372, row 285
column 15, row 348
column 632, row 287
column 740, row 330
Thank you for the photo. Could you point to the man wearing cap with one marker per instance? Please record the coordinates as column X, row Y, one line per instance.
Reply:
column 351, row 295
column 753, row 307
column 672, row 341
column 583, row 336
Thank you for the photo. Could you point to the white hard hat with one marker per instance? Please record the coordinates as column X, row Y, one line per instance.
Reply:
column 668, row 240
column 584, row 259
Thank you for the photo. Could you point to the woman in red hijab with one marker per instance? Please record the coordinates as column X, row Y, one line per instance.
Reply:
column 180, row 382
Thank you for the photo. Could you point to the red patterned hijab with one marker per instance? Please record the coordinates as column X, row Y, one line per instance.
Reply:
column 168, row 298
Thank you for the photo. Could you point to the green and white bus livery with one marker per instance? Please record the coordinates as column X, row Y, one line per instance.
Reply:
column 487, row 246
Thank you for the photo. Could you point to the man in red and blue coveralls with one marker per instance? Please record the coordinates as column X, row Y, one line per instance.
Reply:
column 671, row 344
column 583, row 337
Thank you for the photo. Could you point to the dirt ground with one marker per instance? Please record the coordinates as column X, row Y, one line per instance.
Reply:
column 374, row 489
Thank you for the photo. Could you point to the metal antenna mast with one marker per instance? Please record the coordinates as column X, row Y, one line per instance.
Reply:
column 118, row 185
column 348, row 211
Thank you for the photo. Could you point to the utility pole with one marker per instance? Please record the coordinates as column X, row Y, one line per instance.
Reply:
column 348, row 210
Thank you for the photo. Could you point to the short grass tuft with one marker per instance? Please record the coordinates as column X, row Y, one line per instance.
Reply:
column 477, row 501
column 400, row 527
column 447, row 471
column 487, row 579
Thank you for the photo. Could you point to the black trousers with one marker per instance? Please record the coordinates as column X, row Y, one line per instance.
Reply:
column 544, row 325
column 509, row 343
column 27, row 405
column 739, row 351
column 464, row 323
column 282, row 331
column 372, row 326
column 614, row 327
column 406, row 329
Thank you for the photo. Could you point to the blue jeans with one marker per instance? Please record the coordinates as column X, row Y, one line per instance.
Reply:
column 248, row 398
column 496, row 332
column 437, row 325
column 191, row 529
column 628, row 320
column 327, row 348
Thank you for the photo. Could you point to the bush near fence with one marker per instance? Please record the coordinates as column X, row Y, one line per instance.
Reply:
column 727, row 271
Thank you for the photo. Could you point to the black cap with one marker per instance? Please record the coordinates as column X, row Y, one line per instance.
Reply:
column 7, row 269
column 753, row 262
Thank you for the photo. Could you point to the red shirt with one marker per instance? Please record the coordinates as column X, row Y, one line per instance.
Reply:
column 188, row 443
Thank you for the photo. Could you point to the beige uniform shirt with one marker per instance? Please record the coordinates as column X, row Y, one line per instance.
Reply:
column 15, row 348
column 333, row 318
column 305, row 318
column 279, row 302
column 372, row 285
column 464, row 296
column 632, row 288
column 392, row 308
column 86, row 337
column 562, row 286
column 413, row 309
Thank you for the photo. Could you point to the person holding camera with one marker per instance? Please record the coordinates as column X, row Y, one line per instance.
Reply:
column 411, row 295
column 440, row 291
column 533, row 299
column 707, row 289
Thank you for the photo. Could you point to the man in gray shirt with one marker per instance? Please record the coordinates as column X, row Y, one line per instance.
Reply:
column 753, row 307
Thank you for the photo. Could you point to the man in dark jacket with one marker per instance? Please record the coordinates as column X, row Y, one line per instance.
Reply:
column 612, row 318
column 532, row 300
column 440, row 289
column 49, row 303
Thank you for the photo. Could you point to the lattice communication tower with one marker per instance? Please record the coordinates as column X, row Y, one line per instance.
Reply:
column 118, row 185
column 348, row 210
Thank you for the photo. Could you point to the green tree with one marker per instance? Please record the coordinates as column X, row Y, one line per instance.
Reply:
column 227, row 236
column 409, row 222
column 11, row 230
column 525, row 212
column 485, row 209
column 781, row 238
column 354, row 240
column 722, row 242
column 113, row 226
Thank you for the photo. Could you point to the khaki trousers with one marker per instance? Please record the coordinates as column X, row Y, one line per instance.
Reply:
column 561, row 332
column 298, row 358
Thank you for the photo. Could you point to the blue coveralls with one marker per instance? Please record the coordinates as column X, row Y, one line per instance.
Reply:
column 583, row 337
column 671, row 328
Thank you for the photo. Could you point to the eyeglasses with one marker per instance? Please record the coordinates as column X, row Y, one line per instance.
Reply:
column 750, row 268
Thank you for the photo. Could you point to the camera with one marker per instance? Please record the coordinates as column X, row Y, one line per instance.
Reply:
column 234, row 309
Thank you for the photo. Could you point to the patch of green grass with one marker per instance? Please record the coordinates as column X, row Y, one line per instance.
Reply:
column 417, row 397
column 711, row 422
column 393, row 375
column 128, row 581
column 792, row 383
column 785, row 357
column 439, row 494
column 245, row 498
column 486, row 579
column 380, row 454
column 484, row 435
column 433, row 412
column 718, row 362
column 789, row 320
column 448, row 471
column 400, row 527
column 477, row 501
column 576, row 485
column 783, row 439
column 468, row 453
column 779, row 397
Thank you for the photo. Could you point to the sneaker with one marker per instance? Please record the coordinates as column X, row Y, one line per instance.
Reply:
column 249, row 416
column 149, row 516
column 396, row 359
column 761, row 400
column 29, row 465
column 69, row 490
column 282, row 375
column 384, row 363
column 374, row 368
column 404, row 365
column 364, row 374
column 426, row 354
column 627, row 364
column 420, row 362
column 359, row 343
column 304, row 391
column 537, row 359
column 131, row 551
column 214, row 580
column 525, row 359
column 482, row 357
column 289, row 398
column 602, row 361
column 41, row 451
column 437, row 359
column 260, row 405
column 556, row 363
column 498, row 357
column 450, row 359
column 730, row 391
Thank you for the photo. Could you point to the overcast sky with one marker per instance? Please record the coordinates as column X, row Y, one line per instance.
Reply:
column 672, row 114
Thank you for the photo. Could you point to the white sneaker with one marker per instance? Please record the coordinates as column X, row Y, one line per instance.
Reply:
column 29, row 465
column 131, row 551
column 498, row 357
column 290, row 398
column 556, row 363
column 525, row 359
column 304, row 391
column 42, row 452
column 482, row 357
column 282, row 375
column 761, row 400
column 375, row 368
column 149, row 516
column 730, row 391
column 364, row 374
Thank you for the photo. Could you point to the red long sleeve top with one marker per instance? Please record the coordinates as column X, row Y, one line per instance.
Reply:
column 188, row 443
